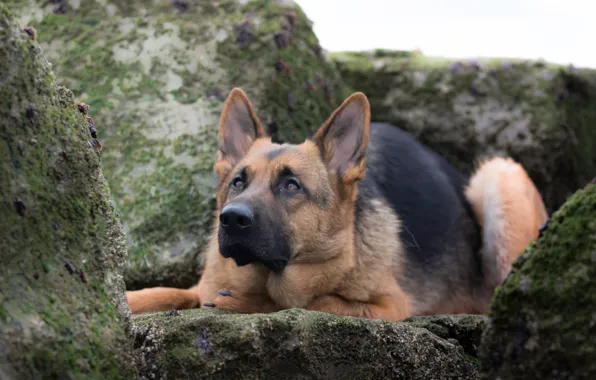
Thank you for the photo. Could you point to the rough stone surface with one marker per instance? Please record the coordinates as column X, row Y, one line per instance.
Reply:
column 540, row 114
column 155, row 74
column 465, row 329
column 543, row 319
column 295, row 344
column 62, row 307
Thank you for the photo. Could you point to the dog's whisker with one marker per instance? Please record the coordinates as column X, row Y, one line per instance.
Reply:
column 413, row 238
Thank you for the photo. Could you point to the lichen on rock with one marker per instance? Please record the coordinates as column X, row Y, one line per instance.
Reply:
column 538, row 113
column 155, row 74
column 63, row 312
column 292, row 344
column 542, row 320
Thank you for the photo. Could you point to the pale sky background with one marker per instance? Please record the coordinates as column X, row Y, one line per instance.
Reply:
column 561, row 31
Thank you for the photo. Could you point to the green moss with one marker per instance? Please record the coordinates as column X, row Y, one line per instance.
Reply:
column 541, row 317
column 535, row 112
column 55, row 218
column 292, row 344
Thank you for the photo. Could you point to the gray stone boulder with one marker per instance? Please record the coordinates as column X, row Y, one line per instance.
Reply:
column 298, row 344
column 538, row 113
column 63, row 313
column 155, row 75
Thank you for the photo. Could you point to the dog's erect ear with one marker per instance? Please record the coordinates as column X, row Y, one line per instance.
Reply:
column 343, row 138
column 239, row 127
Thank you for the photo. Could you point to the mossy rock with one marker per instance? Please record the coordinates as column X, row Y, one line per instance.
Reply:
column 155, row 74
column 538, row 113
column 543, row 320
column 63, row 312
column 292, row 344
column 465, row 329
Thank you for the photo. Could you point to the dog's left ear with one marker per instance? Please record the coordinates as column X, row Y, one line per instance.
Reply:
column 343, row 138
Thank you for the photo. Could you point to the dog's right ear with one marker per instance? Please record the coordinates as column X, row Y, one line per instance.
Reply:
column 239, row 127
column 343, row 139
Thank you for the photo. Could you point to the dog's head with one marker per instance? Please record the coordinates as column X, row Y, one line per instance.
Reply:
column 279, row 202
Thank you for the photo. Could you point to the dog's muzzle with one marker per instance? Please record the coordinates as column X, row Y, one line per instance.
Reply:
column 246, row 237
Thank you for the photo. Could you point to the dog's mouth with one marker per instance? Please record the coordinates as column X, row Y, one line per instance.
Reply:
column 244, row 255
column 240, row 253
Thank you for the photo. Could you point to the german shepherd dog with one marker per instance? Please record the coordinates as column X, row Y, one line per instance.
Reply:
column 360, row 220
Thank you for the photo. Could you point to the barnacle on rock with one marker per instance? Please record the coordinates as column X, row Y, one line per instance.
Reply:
column 31, row 31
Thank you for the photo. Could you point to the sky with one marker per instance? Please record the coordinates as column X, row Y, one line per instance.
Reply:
column 559, row 31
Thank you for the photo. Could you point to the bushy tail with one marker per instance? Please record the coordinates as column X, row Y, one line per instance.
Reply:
column 510, row 212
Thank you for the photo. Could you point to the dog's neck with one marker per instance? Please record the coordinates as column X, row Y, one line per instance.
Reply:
column 302, row 280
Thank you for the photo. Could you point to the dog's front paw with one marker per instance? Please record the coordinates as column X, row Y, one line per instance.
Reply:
column 240, row 302
column 220, row 300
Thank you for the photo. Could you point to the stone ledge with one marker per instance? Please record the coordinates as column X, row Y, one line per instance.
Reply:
column 299, row 344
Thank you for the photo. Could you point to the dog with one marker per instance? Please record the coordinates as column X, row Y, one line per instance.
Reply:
column 360, row 220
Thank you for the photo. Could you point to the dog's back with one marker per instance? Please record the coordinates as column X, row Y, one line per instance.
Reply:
column 439, row 232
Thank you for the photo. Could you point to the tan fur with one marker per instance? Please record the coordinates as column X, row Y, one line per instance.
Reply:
column 370, row 289
column 510, row 210
column 162, row 299
column 333, row 268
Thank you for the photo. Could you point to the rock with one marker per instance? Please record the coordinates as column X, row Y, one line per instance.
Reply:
column 63, row 312
column 538, row 113
column 155, row 75
column 543, row 320
column 465, row 329
column 292, row 344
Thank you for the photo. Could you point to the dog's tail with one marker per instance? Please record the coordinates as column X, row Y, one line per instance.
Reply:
column 510, row 211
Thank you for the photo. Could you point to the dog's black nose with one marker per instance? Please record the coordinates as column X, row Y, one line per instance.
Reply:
column 236, row 217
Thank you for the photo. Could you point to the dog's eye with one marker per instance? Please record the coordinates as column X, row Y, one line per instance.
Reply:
column 291, row 185
column 238, row 183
